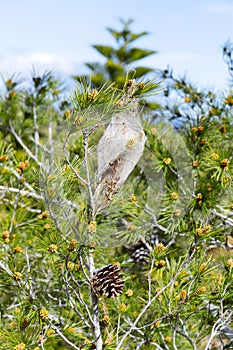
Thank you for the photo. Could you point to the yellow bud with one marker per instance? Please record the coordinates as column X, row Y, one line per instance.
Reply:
column 201, row 290
column 202, row 231
column 93, row 94
column 167, row 160
column 159, row 247
column 92, row 227
column 70, row 330
column 20, row 346
column 44, row 314
column 17, row 249
column 72, row 245
column 70, row 265
column 22, row 166
column 183, row 295
column 5, row 234
column 202, row 268
column 123, row 307
column 22, row 180
column 67, row 113
column 5, row 170
column 224, row 164
column 106, row 319
column 18, row 276
column 168, row 339
column 219, row 278
column 117, row 263
column 187, row 99
column 43, row 215
column 174, row 195
column 229, row 263
column 133, row 198
column 159, row 297
column 50, row 332
column 129, row 292
column 26, row 163
column 52, row 248
column 160, row 263
column 3, row 158
column 195, row 163
column 132, row 227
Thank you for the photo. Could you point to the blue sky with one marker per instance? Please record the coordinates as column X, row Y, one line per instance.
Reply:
column 57, row 34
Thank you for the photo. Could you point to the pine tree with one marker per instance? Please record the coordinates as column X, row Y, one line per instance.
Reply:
column 116, row 222
column 119, row 59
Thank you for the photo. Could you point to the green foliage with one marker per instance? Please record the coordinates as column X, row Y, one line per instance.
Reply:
column 58, row 226
column 119, row 58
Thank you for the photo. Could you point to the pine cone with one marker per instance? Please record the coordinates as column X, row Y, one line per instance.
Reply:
column 107, row 281
column 140, row 252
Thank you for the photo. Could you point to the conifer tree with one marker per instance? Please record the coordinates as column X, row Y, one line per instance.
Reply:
column 116, row 222
column 119, row 59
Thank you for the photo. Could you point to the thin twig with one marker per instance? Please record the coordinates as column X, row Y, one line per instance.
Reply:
column 63, row 337
column 149, row 278
column 36, row 130
column 43, row 147
column 94, row 298
column 68, row 161
column 174, row 339
column 223, row 217
column 88, row 182
column 20, row 141
column 19, row 176
column 31, row 291
column 21, row 205
column 15, row 208
column 81, row 300
column 67, row 286
column 23, row 223
column 22, row 192
column 118, row 327
column 185, row 334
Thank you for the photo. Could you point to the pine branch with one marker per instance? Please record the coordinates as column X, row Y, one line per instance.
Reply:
column 57, row 330
column 21, row 205
column 68, row 161
column 67, row 287
column 94, row 298
column 22, row 192
column 30, row 154
column 151, row 300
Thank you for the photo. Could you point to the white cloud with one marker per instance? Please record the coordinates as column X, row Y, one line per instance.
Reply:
column 201, row 69
column 22, row 63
